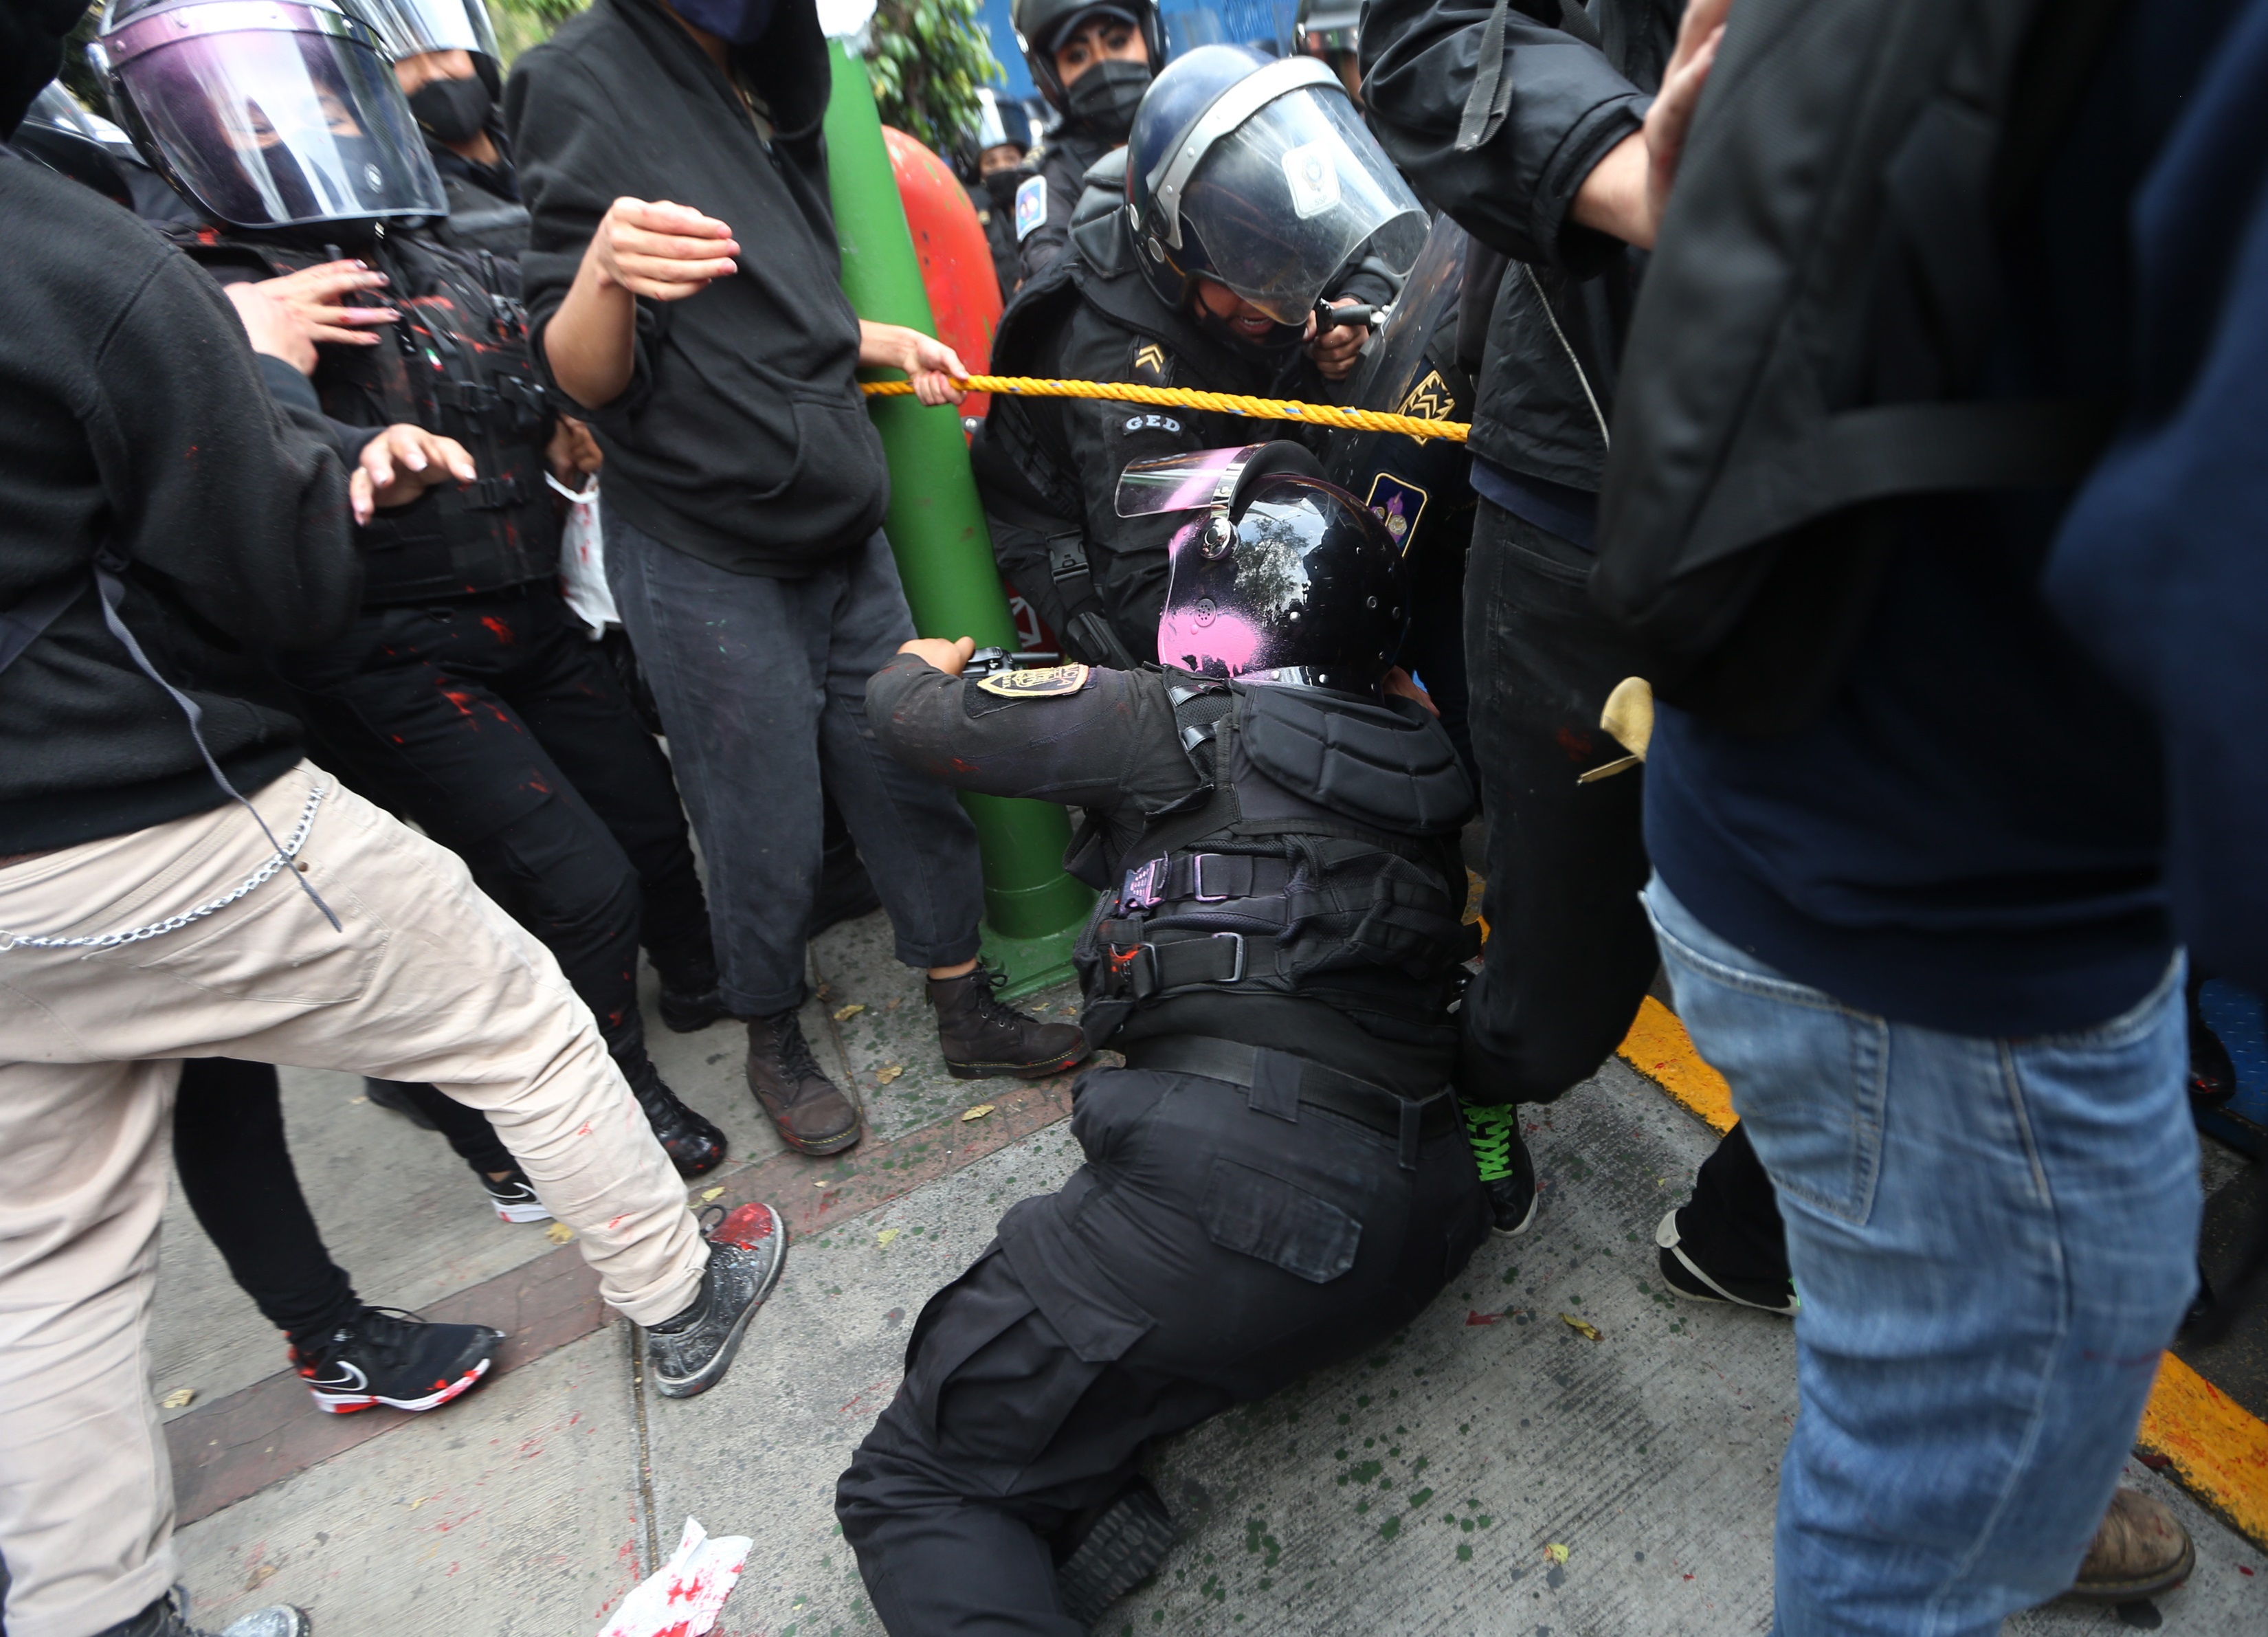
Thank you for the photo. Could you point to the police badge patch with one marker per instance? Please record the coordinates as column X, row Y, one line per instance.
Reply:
column 1031, row 206
column 1398, row 504
column 1046, row 684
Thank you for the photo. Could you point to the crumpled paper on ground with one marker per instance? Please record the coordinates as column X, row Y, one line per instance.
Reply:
column 683, row 1597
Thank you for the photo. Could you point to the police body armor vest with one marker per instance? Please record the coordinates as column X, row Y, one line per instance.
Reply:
column 1320, row 859
column 456, row 363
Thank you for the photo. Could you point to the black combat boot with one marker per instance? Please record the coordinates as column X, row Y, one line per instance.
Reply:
column 983, row 1037
column 690, row 999
column 1108, row 1550
column 810, row 1111
column 694, row 1145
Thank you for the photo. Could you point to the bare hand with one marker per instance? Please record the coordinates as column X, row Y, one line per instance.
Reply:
column 318, row 294
column 401, row 464
column 572, row 451
column 1627, row 191
column 274, row 327
column 1337, row 349
column 1400, row 685
column 932, row 366
column 949, row 657
column 663, row 251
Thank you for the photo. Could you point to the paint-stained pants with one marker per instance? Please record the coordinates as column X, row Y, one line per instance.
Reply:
column 502, row 729
column 429, row 980
column 1207, row 1253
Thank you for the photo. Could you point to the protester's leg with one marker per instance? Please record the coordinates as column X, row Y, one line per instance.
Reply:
column 1728, row 1242
column 568, row 694
column 918, row 845
column 86, row 1491
column 426, row 979
column 237, row 1173
column 1569, row 956
column 731, row 660
column 1994, row 1240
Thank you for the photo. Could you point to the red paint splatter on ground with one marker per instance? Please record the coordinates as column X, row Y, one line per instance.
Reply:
column 1472, row 1317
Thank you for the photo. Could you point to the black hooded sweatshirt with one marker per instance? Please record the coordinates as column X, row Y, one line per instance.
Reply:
column 133, row 413
column 742, row 438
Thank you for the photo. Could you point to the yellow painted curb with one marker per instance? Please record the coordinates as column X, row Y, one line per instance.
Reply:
column 2216, row 1448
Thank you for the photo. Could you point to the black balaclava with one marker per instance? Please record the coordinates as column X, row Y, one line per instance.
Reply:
column 452, row 110
column 737, row 22
column 31, row 52
column 1103, row 98
column 1002, row 185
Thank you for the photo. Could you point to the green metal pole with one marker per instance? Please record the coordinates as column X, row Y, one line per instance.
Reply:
column 936, row 529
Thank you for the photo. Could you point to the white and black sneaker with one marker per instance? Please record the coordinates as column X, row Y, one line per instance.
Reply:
column 514, row 1198
column 688, row 1353
column 169, row 1616
column 1688, row 1278
column 385, row 1355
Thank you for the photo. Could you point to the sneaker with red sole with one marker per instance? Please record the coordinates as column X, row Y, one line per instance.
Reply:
column 689, row 1351
column 385, row 1355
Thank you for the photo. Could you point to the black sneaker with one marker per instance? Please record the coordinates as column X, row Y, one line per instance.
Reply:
column 690, row 1352
column 687, row 1012
column 1507, row 1173
column 513, row 1197
column 1688, row 1278
column 1108, row 1553
column 169, row 1616
column 385, row 1355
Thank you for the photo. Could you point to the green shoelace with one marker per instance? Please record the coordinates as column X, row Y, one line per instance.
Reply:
column 1490, row 1129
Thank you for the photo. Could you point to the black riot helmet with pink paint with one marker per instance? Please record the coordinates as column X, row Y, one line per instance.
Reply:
column 1277, row 575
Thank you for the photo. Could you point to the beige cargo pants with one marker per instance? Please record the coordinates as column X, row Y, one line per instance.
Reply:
column 428, row 981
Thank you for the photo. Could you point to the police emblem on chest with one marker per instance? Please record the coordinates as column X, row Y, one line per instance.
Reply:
column 1057, row 679
column 1398, row 504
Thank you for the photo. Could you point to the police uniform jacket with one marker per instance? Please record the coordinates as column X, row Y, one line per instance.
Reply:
column 1046, row 200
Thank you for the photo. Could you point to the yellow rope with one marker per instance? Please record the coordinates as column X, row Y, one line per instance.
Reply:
column 1187, row 398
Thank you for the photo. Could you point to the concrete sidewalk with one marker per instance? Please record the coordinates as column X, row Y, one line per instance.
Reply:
column 1420, row 1489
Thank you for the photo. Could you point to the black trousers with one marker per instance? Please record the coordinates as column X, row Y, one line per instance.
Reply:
column 1207, row 1253
column 1570, row 952
column 1435, row 650
column 1732, row 1224
column 228, row 1146
column 504, row 733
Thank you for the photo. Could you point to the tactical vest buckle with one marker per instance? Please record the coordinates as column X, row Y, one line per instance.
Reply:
column 1236, row 972
column 495, row 494
column 1197, row 862
column 1144, row 882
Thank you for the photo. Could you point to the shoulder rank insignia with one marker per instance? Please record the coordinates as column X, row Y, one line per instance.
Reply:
column 1429, row 400
column 1150, row 363
column 1057, row 679
column 1031, row 206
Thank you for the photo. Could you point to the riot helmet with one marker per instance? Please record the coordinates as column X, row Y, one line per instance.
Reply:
column 1277, row 575
column 266, row 113
column 1257, row 173
column 1042, row 26
column 69, row 140
column 412, row 28
column 444, row 57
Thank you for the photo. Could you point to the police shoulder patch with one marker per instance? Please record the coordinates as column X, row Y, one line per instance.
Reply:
column 1150, row 366
column 1031, row 206
column 1057, row 679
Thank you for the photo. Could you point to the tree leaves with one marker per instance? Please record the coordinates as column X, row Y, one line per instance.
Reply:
column 925, row 60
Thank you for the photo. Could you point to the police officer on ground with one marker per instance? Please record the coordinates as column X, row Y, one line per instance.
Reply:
column 1278, row 1178
column 1091, row 63
column 1202, row 268
column 464, row 695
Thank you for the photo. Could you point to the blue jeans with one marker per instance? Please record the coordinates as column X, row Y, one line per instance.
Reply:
column 762, row 683
column 1993, row 1241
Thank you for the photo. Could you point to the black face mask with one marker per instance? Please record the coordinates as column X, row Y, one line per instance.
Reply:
column 740, row 22
column 1103, row 98
column 452, row 110
column 1002, row 185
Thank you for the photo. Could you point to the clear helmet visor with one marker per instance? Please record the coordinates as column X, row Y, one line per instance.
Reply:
column 298, row 121
column 409, row 28
column 1286, row 200
column 1180, row 482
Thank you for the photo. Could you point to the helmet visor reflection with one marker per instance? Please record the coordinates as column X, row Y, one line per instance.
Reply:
column 267, row 127
column 1287, row 199
column 411, row 28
